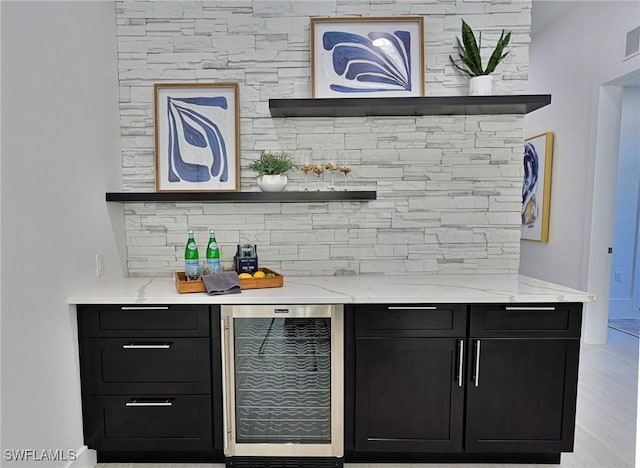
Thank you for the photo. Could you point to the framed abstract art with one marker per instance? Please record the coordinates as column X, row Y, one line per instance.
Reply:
column 536, row 187
column 367, row 57
column 197, row 145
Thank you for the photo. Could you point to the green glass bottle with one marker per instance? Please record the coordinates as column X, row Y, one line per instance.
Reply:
column 191, row 260
column 213, row 254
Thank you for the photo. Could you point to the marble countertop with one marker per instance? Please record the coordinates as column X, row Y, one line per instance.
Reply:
column 363, row 289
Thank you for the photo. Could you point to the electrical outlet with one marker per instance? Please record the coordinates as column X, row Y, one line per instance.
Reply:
column 617, row 276
column 99, row 265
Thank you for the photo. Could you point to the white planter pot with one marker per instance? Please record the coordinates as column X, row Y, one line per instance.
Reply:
column 272, row 183
column 481, row 85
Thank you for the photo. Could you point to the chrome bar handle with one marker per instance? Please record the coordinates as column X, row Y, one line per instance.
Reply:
column 226, row 417
column 149, row 403
column 460, row 361
column 477, row 373
column 412, row 308
column 530, row 308
column 144, row 308
column 146, row 346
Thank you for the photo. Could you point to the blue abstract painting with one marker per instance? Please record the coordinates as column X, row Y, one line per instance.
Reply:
column 367, row 57
column 536, row 187
column 530, row 208
column 378, row 62
column 196, row 145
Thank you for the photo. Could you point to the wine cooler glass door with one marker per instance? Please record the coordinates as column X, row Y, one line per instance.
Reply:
column 281, row 383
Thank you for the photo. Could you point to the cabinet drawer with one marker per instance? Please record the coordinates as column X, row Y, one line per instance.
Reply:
column 151, row 423
column 141, row 321
column 550, row 320
column 147, row 365
column 410, row 320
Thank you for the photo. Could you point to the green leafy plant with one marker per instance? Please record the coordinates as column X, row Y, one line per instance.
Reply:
column 272, row 163
column 469, row 52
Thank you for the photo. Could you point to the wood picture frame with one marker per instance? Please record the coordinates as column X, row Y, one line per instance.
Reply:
column 367, row 57
column 536, row 187
column 197, row 141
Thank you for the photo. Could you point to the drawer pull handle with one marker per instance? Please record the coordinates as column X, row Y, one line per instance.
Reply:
column 148, row 403
column 476, row 377
column 144, row 308
column 147, row 346
column 460, row 361
column 412, row 308
column 529, row 308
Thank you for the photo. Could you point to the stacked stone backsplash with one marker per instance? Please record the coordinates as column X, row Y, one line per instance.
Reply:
column 448, row 187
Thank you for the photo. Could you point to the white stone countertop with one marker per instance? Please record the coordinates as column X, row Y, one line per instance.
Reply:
column 363, row 289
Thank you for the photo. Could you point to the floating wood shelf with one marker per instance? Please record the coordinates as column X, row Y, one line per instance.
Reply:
column 433, row 105
column 242, row 197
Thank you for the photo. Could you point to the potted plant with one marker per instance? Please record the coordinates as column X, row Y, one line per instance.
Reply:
column 272, row 170
column 481, row 82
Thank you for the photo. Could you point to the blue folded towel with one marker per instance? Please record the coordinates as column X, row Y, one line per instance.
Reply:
column 221, row 283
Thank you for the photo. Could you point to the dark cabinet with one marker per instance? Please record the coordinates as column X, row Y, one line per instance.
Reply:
column 146, row 365
column 168, row 422
column 521, row 394
column 479, row 379
column 409, row 394
column 150, row 379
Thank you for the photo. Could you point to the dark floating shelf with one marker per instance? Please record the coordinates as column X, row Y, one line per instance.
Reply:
column 241, row 197
column 434, row 105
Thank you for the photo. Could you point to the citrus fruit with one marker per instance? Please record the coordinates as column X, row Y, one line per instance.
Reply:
column 259, row 274
column 244, row 275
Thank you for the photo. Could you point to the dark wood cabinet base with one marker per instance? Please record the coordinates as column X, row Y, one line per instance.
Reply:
column 377, row 457
column 440, row 383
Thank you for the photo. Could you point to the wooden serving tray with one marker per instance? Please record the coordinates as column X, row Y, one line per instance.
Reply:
column 184, row 286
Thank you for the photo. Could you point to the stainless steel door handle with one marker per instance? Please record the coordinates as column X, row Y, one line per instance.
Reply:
column 226, row 390
column 148, row 403
column 144, row 308
column 477, row 369
column 146, row 346
column 460, row 361
column 529, row 308
column 412, row 308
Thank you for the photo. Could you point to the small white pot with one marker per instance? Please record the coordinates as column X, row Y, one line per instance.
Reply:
column 272, row 183
column 481, row 85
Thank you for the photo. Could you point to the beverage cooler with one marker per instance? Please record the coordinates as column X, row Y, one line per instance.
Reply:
column 283, row 385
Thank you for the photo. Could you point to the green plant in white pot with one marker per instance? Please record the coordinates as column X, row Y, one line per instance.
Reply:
column 481, row 82
column 272, row 169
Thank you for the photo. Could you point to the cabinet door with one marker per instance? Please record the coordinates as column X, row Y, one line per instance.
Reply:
column 544, row 320
column 408, row 396
column 172, row 320
column 411, row 320
column 173, row 422
column 521, row 395
column 146, row 365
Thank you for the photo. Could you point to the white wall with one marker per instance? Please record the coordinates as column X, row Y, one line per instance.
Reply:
column 572, row 58
column 626, row 212
column 60, row 153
